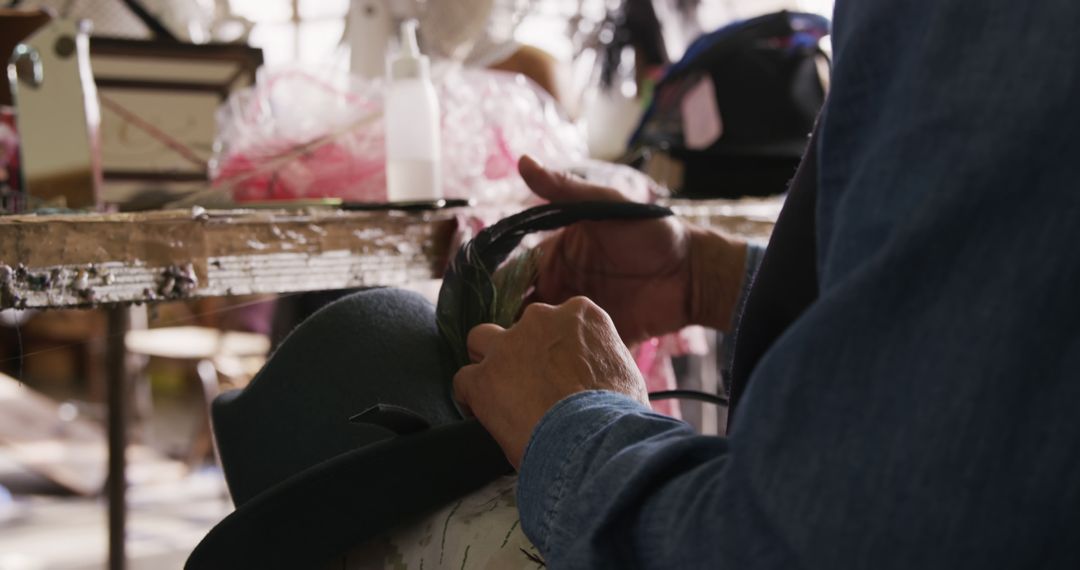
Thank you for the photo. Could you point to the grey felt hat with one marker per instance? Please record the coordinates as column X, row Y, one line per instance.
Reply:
column 309, row 480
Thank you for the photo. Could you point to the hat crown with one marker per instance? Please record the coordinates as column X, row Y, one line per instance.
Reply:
column 289, row 419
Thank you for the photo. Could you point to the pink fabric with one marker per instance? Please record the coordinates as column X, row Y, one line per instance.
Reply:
column 653, row 358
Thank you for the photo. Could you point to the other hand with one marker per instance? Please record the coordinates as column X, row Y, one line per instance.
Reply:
column 653, row 277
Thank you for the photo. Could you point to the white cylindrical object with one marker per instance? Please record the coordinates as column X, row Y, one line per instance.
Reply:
column 413, row 152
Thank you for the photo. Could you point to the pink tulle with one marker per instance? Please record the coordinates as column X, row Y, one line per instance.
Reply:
column 301, row 135
column 653, row 358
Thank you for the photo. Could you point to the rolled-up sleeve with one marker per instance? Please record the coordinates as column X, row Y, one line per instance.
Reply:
column 607, row 483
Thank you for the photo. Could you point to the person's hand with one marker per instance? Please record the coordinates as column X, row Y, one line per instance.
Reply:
column 653, row 277
column 550, row 353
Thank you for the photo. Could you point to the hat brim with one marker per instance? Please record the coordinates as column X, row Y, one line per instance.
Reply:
column 322, row 512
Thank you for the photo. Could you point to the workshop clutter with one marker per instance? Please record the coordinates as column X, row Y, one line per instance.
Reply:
column 297, row 134
column 732, row 117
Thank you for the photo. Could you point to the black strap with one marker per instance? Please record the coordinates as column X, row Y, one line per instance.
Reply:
column 688, row 395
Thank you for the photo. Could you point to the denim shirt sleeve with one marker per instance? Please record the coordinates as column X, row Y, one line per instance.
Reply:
column 607, row 483
column 583, row 444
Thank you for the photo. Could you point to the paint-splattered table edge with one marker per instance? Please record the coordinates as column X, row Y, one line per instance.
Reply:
column 61, row 261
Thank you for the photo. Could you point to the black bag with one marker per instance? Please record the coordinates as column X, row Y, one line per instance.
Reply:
column 735, row 113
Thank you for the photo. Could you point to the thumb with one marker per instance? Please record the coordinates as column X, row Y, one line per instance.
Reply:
column 557, row 186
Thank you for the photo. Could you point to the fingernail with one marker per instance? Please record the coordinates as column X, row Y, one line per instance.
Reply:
column 530, row 159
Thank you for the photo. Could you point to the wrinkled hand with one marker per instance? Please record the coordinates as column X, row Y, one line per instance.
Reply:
column 550, row 353
column 653, row 277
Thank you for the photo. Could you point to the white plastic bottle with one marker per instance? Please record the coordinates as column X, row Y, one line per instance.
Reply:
column 413, row 153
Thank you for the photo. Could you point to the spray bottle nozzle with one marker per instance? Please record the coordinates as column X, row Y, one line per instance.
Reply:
column 409, row 44
column 409, row 62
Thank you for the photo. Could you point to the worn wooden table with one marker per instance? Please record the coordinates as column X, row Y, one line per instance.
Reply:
column 114, row 260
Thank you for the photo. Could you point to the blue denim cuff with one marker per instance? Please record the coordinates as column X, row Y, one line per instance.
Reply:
column 552, row 453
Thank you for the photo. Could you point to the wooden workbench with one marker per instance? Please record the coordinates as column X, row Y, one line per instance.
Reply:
column 69, row 261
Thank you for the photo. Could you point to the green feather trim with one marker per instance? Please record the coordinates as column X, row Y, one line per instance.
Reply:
column 512, row 282
column 469, row 295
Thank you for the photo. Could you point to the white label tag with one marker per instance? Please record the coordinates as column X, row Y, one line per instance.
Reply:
column 702, row 124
